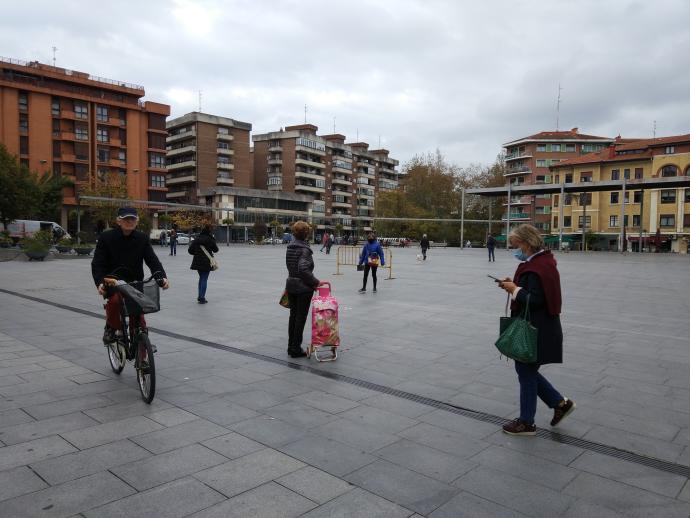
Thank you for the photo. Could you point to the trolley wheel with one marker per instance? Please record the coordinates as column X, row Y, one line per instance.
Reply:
column 310, row 350
column 116, row 356
column 146, row 368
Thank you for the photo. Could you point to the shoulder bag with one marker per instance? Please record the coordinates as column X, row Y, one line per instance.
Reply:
column 211, row 259
column 518, row 339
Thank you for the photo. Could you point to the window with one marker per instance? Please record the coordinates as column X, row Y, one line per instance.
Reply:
column 122, row 156
column 555, row 147
column 636, row 220
column 627, row 196
column 686, row 220
column 122, row 115
column 57, row 152
column 275, row 180
column 225, row 145
column 637, row 197
column 541, row 163
column 103, row 154
column 625, row 220
column 156, row 141
column 223, row 130
column 687, row 195
column 223, row 160
column 123, row 136
column 102, row 135
column 668, row 196
column 555, row 222
column 556, row 198
column 580, row 219
column 567, row 199
column 23, row 145
column 670, row 150
column 668, row 171
column 23, row 122
column 157, row 160
column 613, row 221
column 544, row 178
column 667, row 220
column 615, row 174
column 570, row 148
column 23, row 101
column 590, row 148
column 156, row 121
column 81, row 111
column 320, row 183
column 626, row 174
column 569, row 178
column 81, row 151
column 81, row 132
column 101, row 113
column 586, row 177
column 56, row 128
column 541, row 148
column 614, row 197
column 558, row 179
column 55, row 107
column 638, row 173
column 157, row 180
column 567, row 221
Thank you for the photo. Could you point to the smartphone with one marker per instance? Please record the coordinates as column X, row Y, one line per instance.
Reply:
column 494, row 278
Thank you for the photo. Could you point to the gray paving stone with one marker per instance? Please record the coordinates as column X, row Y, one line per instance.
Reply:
column 233, row 445
column 67, row 406
column 444, row 440
column 111, row 432
column 387, row 421
column 329, row 455
column 466, row 505
column 425, row 460
column 13, row 417
column 328, row 402
column 359, row 435
column 179, row 435
column 18, row 481
column 549, row 450
column 216, row 385
column 315, row 484
column 172, row 416
column 172, row 500
column 280, row 386
column 250, row 471
column 129, row 408
column 397, row 405
column 87, row 462
column 69, row 498
column 636, row 443
column 459, row 423
column 33, row 451
column 152, row 471
column 221, row 411
column 268, row 501
column 300, row 414
column 514, row 492
column 269, row 430
column 408, row 488
column 685, row 493
column 359, row 504
column 256, row 399
column 45, row 427
column 584, row 509
column 89, row 377
column 624, row 498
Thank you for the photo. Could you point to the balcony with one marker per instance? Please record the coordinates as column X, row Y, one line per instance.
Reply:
column 225, row 152
column 278, row 187
column 178, row 194
column 517, row 216
column 342, row 192
column 368, row 173
column 180, row 136
column 518, row 201
column 341, row 169
column 512, row 171
column 177, row 179
column 310, row 176
column 66, row 135
column 181, row 150
column 225, row 179
column 309, row 163
column 67, row 158
column 275, row 149
column 306, row 149
column 275, row 161
column 341, row 204
column 225, row 167
column 182, row 165
column 309, row 188
column 225, row 137
column 341, row 181
column 515, row 156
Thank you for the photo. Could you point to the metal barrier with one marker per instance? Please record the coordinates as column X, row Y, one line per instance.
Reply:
column 349, row 256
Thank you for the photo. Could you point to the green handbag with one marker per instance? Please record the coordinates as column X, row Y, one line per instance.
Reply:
column 518, row 339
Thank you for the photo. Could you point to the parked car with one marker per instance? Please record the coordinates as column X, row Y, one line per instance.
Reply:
column 21, row 228
column 182, row 238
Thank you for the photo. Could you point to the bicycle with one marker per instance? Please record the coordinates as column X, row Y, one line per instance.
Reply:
column 139, row 298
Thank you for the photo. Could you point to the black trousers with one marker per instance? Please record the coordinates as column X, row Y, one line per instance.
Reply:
column 299, row 310
column 366, row 275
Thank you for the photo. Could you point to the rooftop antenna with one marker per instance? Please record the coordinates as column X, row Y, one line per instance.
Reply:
column 199, row 101
column 379, row 141
column 558, row 106
column 54, row 51
column 654, row 130
column 305, row 113
column 334, row 125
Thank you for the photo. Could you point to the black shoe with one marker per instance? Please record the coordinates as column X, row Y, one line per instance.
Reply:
column 300, row 354
column 109, row 336
column 374, row 290
column 363, row 290
column 203, row 301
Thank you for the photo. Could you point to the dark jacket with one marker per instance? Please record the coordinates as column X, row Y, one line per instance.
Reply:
column 550, row 334
column 424, row 243
column 300, row 266
column 126, row 254
column 372, row 250
column 200, row 261
column 491, row 242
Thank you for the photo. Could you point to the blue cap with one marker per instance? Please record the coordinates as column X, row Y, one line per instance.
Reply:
column 127, row 212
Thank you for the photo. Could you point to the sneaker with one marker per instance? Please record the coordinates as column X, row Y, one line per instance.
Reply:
column 203, row 301
column 562, row 411
column 517, row 427
column 363, row 290
column 299, row 354
column 109, row 336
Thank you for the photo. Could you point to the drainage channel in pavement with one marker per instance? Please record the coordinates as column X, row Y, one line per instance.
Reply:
column 662, row 465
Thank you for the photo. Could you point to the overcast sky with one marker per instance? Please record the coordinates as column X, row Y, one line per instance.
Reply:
column 461, row 76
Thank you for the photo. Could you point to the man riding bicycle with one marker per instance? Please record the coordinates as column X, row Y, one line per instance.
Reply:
column 123, row 249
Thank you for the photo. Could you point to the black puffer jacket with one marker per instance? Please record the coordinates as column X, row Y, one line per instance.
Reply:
column 300, row 265
column 200, row 261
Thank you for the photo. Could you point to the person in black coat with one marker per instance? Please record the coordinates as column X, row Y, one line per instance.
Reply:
column 300, row 286
column 491, row 246
column 201, row 263
column 424, row 243
column 538, row 283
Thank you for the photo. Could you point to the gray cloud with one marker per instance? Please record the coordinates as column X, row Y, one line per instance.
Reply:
column 463, row 77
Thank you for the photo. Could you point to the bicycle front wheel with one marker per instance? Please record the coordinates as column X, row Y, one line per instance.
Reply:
column 116, row 355
column 146, row 368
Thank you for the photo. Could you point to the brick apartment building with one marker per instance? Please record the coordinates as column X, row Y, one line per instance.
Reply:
column 343, row 179
column 204, row 151
column 82, row 127
column 527, row 163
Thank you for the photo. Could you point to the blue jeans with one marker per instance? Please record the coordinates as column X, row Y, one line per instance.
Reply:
column 203, row 282
column 491, row 254
column 533, row 384
column 173, row 247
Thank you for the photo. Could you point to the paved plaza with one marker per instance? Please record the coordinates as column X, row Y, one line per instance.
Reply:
column 406, row 423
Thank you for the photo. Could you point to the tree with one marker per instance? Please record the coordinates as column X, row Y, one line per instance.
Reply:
column 18, row 191
column 112, row 185
column 186, row 219
column 50, row 188
column 260, row 230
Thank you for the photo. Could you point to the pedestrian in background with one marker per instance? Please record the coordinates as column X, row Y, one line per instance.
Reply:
column 324, row 241
column 300, row 286
column 173, row 242
column 329, row 243
column 424, row 243
column 202, row 262
column 491, row 245
column 163, row 237
column 371, row 257
column 538, row 282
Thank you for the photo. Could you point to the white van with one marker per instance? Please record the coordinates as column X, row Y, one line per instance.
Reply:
column 20, row 228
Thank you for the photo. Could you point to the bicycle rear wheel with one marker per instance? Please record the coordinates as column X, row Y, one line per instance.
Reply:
column 146, row 368
column 116, row 355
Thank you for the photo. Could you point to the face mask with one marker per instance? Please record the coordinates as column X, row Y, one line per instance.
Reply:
column 371, row 240
column 520, row 255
